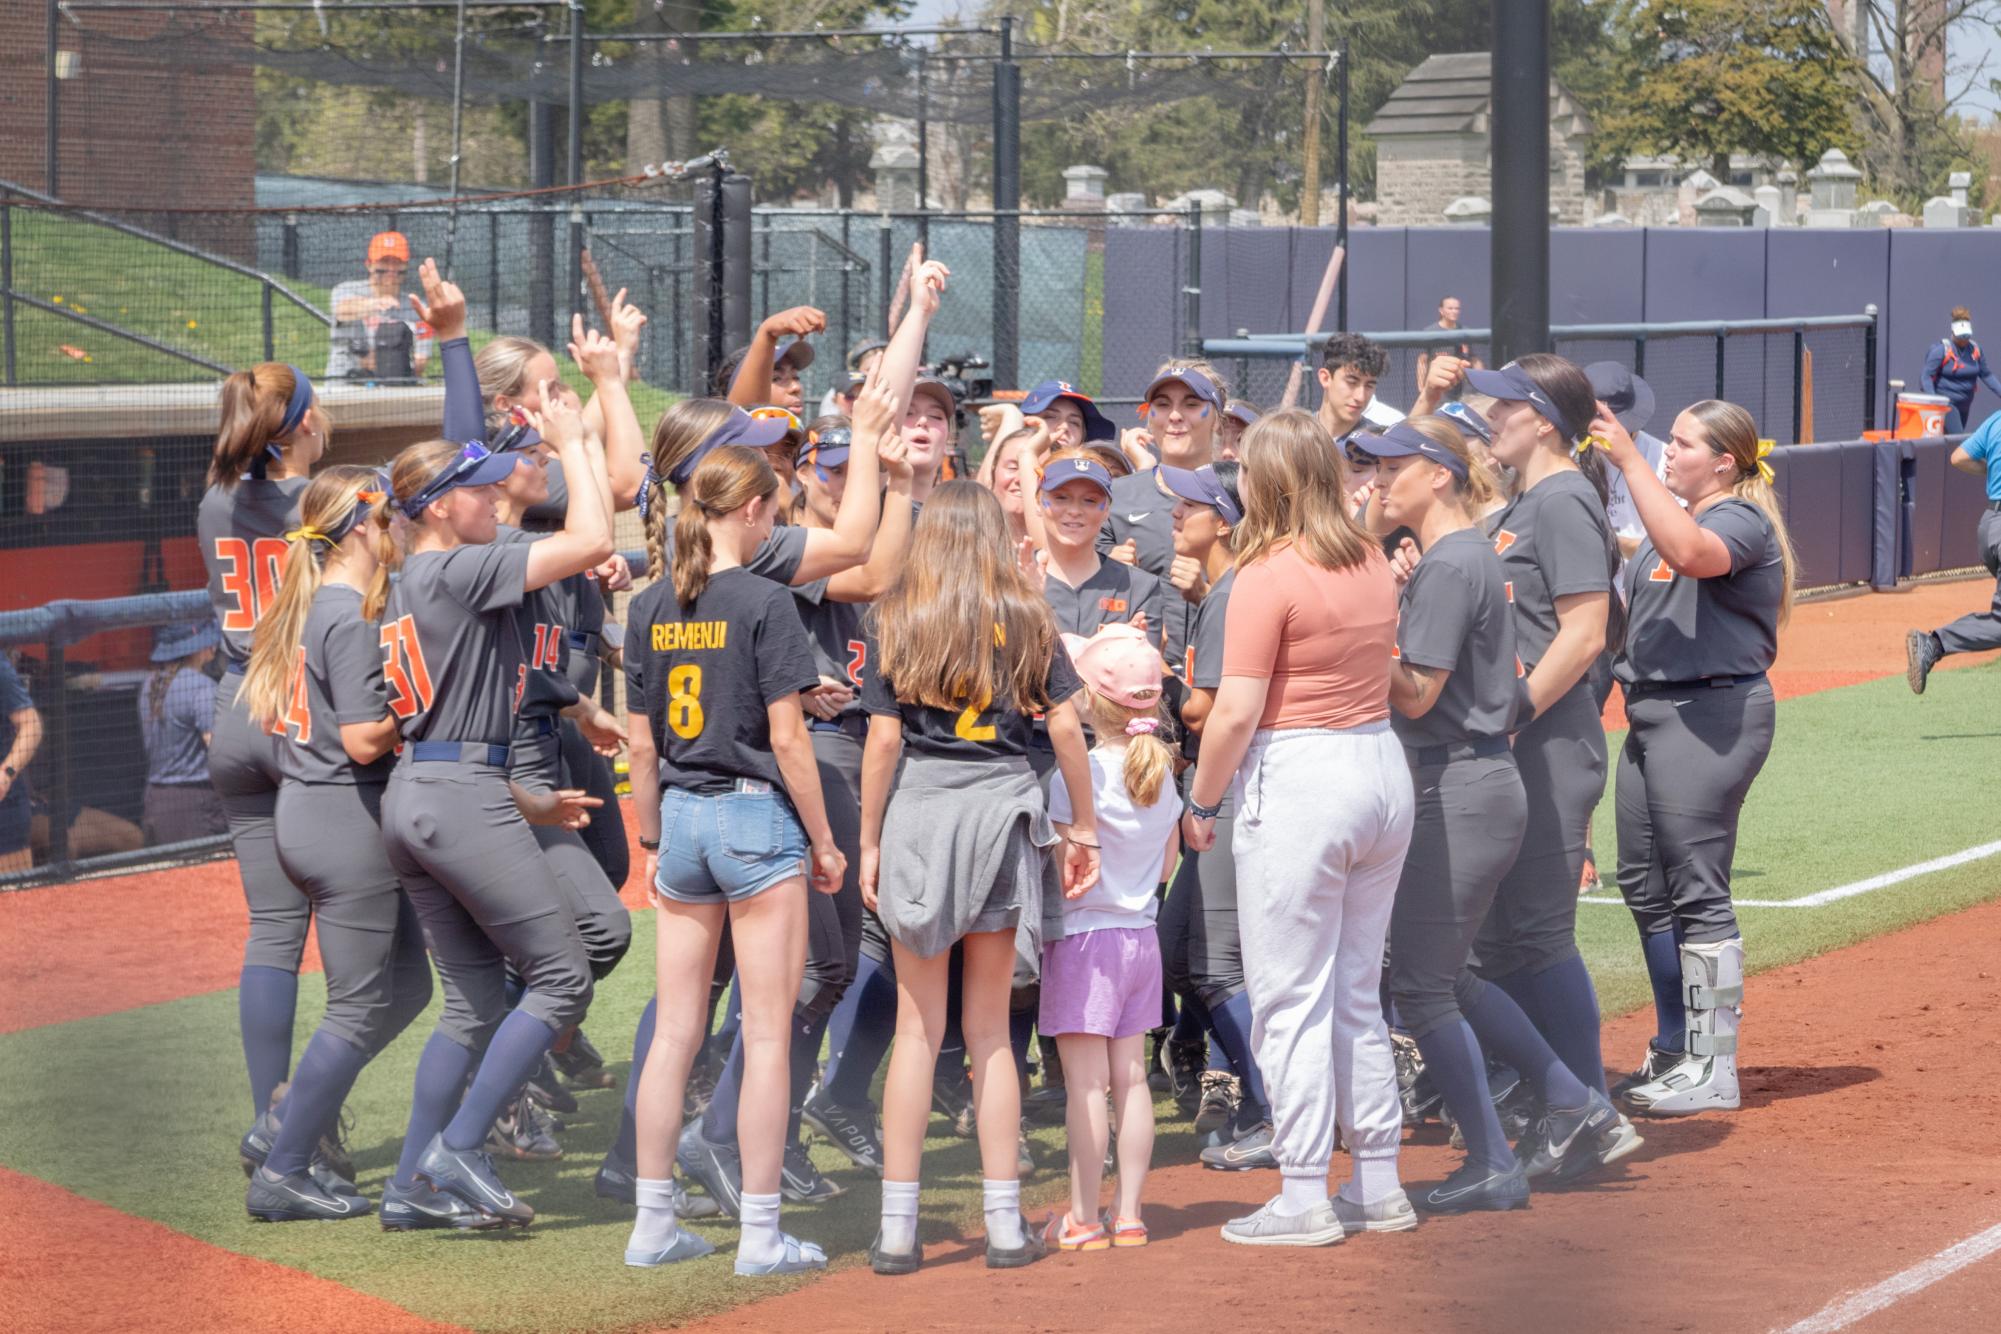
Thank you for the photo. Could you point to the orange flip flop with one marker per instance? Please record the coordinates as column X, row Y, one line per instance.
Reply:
column 1062, row 1233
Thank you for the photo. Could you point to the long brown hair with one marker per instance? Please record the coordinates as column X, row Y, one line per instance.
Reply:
column 1565, row 384
column 962, row 625
column 1295, row 491
column 680, row 430
column 728, row 479
column 327, row 505
column 253, row 408
column 502, row 367
column 163, row 676
column 1731, row 430
column 1479, row 489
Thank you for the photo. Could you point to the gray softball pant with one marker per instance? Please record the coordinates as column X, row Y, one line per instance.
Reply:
column 603, row 923
column 1467, row 830
column 605, row 834
column 1201, row 946
column 834, row 921
column 486, row 897
column 1688, row 763
column 1562, row 760
column 243, row 768
column 371, row 945
column 1981, row 629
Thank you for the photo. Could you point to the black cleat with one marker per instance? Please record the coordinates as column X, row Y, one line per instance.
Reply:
column 582, row 1063
column 298, row 1198
column 1474, row 1188
column 713, row 1167
column 418, row 1208
column 852, row 1130
column 1921, row 654
column 547, row 1089
column 1547, row 1148
column 1218, row 1107
column 468, row 1174
column 524, row 1131
column 1185, row 1062
column 1657, row 1062
column 800, row 1182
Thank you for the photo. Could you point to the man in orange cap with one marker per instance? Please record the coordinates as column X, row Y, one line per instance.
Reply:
column 376, row 335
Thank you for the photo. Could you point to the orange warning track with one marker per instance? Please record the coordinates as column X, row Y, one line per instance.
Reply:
column 69, row 1265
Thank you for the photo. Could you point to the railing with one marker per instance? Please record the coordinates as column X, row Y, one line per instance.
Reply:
column 269, row 288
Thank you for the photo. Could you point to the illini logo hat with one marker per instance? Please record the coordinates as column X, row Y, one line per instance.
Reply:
column 1063, row 471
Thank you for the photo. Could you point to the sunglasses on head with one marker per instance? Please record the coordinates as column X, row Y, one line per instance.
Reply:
column 470, row 457
column 1360, row 457
column 785, row 415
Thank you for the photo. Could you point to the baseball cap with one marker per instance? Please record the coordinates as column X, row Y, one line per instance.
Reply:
column 1120, row 664
column 739, row 428
column 1198, row 384
column 1199, row 486
column 936, row 388
column 388, row 245
column 1630, row 398
column 1512, row 384
column 798, row 353
column 1403, row 441
column 1242, row 411
column 862, row 348
column 828, row 448
column 474, row 465
column 1097, row 426
column 1467, row 420
column 1061, row 471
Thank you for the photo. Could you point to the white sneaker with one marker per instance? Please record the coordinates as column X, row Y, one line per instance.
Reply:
column 1392, row 1213
column 1318, row 1226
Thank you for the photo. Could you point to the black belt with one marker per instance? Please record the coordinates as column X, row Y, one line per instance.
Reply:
column 1431, row 756
column 1691, row 687
column 848, row 724
column 539, row 725
column 1994, row 506
column 457, row 752
column 583, row 641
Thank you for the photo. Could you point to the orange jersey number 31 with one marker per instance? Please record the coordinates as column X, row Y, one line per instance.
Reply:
column 403, row 664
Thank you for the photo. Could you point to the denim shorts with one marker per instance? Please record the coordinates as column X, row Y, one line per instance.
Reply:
column 727, row 846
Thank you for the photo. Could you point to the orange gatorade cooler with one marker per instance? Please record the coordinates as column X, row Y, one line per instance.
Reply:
column 1921, row 416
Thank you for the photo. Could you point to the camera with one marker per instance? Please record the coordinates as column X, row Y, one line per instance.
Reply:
column 964, row 387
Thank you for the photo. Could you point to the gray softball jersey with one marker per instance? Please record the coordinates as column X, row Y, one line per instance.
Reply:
column 456, row 666
column 1112, row 596
column 337, row 679
column 242, row 530
column 1455, row 618
column 840, row 647
column 1143, row 512
column 1553, row 541
column 1684, row 629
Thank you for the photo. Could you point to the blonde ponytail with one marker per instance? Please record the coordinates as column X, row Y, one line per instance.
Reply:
column 1149, row 761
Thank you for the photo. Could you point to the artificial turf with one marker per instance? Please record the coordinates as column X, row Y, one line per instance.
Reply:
column 141, row 1109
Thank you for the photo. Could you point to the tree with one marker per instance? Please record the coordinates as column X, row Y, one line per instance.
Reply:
column 1702, row 79
column 1911, row 87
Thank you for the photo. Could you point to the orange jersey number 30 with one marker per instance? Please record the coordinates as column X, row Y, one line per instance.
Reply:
column 403, row 664
column 249, row 572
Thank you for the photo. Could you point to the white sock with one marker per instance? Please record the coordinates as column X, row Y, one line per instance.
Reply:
column 1374, row 1179
column 656, row 1225
column 899, row 1217
column 758, row 1238
column 1002, row 1201
column 1302, row 1192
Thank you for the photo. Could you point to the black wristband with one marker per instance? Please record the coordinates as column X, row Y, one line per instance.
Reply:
column 1201, row 812
column 649, row 844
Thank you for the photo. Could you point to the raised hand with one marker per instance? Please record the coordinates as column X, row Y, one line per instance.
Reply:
column 443, row 305
column 596, row 355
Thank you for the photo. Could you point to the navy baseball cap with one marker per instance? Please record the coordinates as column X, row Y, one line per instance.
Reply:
column 799, row 352
column 1630, row 398
column 1467, row 420
column 863, row 348
column 1198, row 384
column 739, row 428
column 1076, row 470
column 1402, row 441
column 1097, row 426
column 1242, row 411
column 1199, row 486
column 1512, row 384
column 828, row 448
column 474, row 465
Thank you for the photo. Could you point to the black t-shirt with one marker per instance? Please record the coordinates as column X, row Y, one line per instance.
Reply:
column 974, row 732
column 705, row 676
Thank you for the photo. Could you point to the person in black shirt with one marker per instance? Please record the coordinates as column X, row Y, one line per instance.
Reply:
column 728, row 799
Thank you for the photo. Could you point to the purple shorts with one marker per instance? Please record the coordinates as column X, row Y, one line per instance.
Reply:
column 1102, row 982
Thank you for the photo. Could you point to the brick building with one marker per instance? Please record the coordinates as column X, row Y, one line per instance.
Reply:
column 1432, row 143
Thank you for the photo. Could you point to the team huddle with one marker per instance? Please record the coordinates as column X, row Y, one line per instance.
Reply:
column 1273, row 737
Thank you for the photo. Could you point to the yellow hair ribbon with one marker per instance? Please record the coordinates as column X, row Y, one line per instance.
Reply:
column 1764, row 468
column 307, row 533
column 1590, row 442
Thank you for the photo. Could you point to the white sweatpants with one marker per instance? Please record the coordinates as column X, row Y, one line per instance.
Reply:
column 1323, row 823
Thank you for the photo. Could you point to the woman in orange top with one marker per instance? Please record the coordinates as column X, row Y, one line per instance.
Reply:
column 1301, row 722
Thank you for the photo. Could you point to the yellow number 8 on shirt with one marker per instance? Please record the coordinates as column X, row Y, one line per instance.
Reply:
column 968, row 728
column 684, row 701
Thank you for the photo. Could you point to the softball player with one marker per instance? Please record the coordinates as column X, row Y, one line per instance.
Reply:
column 272, row 433
column 456, row 668
column 718, row 663
column 315, row 681
column 954, row 834
column 1084, row 590
column 1558, row 558
column 1455, row 691
column 1708, row 589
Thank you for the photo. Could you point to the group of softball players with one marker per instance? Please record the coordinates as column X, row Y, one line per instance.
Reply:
column 1273, row 736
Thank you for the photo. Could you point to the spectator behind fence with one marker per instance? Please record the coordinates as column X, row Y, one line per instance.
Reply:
column 376, row 335
column 20, row 737
column 176, row 719
column 1448, row 320
column 1956, row 368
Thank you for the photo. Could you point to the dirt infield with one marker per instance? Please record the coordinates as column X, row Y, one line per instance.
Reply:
column 1865, row 1146
column 68, row 1264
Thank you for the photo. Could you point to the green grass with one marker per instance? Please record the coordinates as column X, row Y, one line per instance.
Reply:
column 175, row 299
column 1091, row 358
column 141, row 1109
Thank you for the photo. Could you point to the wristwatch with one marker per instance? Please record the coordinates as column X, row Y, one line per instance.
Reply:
column 1201, row 812
column 649, row 844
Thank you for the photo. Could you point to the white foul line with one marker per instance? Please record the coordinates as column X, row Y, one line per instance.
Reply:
column 1860, row 1305
column 1821, row 898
